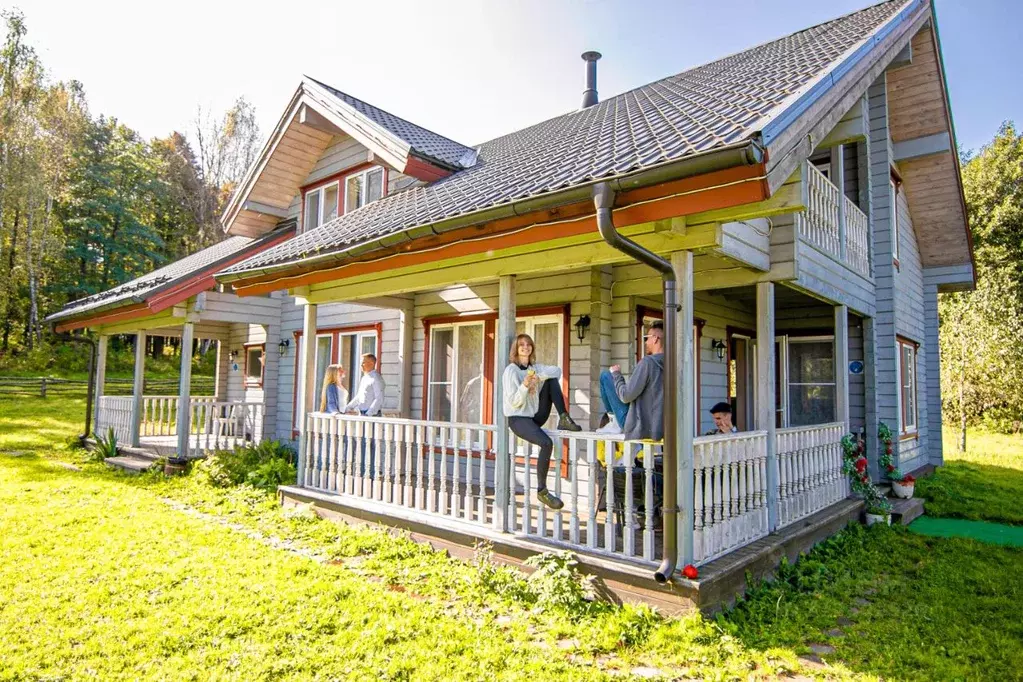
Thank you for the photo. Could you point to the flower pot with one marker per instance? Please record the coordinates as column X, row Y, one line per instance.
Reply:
column 175, row 466
column 903, row 491
column 878, row 518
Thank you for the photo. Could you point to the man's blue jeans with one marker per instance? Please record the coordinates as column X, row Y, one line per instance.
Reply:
column 609, row 397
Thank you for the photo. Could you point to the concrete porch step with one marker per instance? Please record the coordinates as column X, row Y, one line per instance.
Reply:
column 906, row 511
column 131, row 463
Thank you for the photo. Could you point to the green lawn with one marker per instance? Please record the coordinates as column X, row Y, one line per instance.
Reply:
column 110, row 577
column 984, row 484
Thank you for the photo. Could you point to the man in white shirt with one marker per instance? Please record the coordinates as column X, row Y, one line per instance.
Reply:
column 369, row 396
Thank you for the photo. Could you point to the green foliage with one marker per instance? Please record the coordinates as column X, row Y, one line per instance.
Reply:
column 558, row 584
column 981, row 357
column 264, row 466
column 106, row 446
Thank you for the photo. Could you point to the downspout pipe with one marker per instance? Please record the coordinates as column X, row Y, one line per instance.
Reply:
column 603, row 201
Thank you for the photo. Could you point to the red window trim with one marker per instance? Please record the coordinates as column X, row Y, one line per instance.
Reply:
column 334, row 332
column 340, row 178
column 901, row 341
column 489, row 336
column 246, row 381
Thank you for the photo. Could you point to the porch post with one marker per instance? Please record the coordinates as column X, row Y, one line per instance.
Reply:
column 838, row 174
column 307, row 385
column 766, row 409
column 184, row 389
column 685, row 411
column 140, row 378
column 101, row 377
column 842, row 365
column 502, row 462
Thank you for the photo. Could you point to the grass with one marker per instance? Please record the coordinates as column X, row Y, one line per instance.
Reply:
column 983, row 484
column 115, row 577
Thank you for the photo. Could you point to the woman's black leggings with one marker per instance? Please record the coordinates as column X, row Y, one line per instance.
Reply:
column 530, row 429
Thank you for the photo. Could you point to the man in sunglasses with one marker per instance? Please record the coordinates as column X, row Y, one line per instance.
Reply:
column 636, row 406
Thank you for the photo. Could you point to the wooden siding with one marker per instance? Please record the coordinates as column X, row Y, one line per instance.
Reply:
column 918, row 103
column 932, row 386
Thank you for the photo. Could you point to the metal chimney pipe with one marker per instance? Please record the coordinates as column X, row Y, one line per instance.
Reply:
column 590, row 93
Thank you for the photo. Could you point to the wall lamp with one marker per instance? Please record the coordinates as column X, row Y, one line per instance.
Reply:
column 581, row 325
column 718, row 346
column 282, row 347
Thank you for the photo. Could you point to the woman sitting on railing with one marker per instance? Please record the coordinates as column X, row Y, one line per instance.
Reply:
column 530, row 390
column 334, row 395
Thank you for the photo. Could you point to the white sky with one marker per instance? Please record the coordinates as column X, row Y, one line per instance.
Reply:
column 469, row 69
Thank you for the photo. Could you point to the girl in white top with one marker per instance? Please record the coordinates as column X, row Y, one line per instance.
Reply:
column 529, row 392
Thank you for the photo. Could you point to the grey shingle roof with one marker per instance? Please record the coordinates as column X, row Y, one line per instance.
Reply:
column 710, row 106
column 137, row 290
column 425, row 143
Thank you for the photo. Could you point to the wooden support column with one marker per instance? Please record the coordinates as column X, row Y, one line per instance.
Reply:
column 307, row 383
column 766, row 410
column 101, row 378
column 838, row 176
column 405, row 331
column 138, row 387
column 502, row 462
column 842, row 365
column 682, row 264
column 184, row 388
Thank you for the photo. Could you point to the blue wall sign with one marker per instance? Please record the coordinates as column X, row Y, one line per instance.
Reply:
column 855, row 367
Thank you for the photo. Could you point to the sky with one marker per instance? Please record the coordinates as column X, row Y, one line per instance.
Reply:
column 469, row 69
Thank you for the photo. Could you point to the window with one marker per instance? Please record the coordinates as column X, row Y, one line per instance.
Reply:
column 254, row 365
column 811, row 381
column 363, row 188
column 342, row 345
column 906, row 370
column 320, row 205
column 455, row 389
column 893, row 215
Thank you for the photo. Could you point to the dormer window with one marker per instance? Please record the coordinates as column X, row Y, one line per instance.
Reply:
column 363, row 187
column 320, row 205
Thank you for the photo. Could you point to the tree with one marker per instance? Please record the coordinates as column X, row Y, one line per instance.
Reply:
column 981, row 357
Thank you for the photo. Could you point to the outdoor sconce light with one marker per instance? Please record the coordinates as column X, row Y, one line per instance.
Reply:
column 233, row 355
column 581, row 326
column 282, row 347
column 718, row 346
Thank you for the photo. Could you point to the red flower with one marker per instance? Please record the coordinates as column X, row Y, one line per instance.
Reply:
column 888, row 449
column 690, row 572
column 907, row 480
column 861, row 464
column 890, row 467
column 863, row 478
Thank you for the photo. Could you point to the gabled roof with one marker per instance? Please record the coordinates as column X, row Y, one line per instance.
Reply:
column 166, row 281
column 724, row 103
column 424, row 143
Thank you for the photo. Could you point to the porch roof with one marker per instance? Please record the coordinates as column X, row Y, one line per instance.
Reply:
column 750, row 96
column 169, row 285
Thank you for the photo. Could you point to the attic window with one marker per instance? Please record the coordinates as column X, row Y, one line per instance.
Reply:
column 363, row 188
column 320, row 205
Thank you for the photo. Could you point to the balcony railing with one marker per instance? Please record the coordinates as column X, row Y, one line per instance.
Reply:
column 834, row 224
column 425, row 469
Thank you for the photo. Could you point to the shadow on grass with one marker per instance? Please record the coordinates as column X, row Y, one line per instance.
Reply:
column 978, row 492
column 894, row 604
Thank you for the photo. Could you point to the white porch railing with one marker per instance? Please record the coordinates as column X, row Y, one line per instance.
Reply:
column 857, row 249
column 447, row 470
column 820, row 224
column 809, row 470
column 729, row 491
column 159, row 415
column 115, row 413
column 223, row 424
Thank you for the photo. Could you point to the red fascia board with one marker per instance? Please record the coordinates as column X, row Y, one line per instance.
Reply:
column 423, row 170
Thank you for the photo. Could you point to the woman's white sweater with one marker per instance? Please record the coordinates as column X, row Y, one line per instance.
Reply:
column 519, row 401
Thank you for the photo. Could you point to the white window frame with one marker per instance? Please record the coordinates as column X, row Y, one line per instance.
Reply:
column 789, row 340
column 353, row 366
column 893, row 217
column 430, row 383
column 321, row 215
column 363, row 176
column 906, row 430
column 300, row 370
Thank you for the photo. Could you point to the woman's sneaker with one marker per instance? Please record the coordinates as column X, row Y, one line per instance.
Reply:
column 549, row 499
column 565, row 423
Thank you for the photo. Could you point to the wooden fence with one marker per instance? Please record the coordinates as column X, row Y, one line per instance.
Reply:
column 46, row 386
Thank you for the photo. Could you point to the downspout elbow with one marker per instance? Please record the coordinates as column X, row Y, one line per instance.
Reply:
column 603, row 201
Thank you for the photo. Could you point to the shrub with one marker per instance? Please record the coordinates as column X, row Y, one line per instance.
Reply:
column 558, row 584
column 264, row 466
column 105, row 447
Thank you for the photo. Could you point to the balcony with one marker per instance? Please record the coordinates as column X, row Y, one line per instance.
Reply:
column 834, row 224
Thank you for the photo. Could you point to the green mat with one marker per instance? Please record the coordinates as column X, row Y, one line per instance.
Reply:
column 997, row 533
